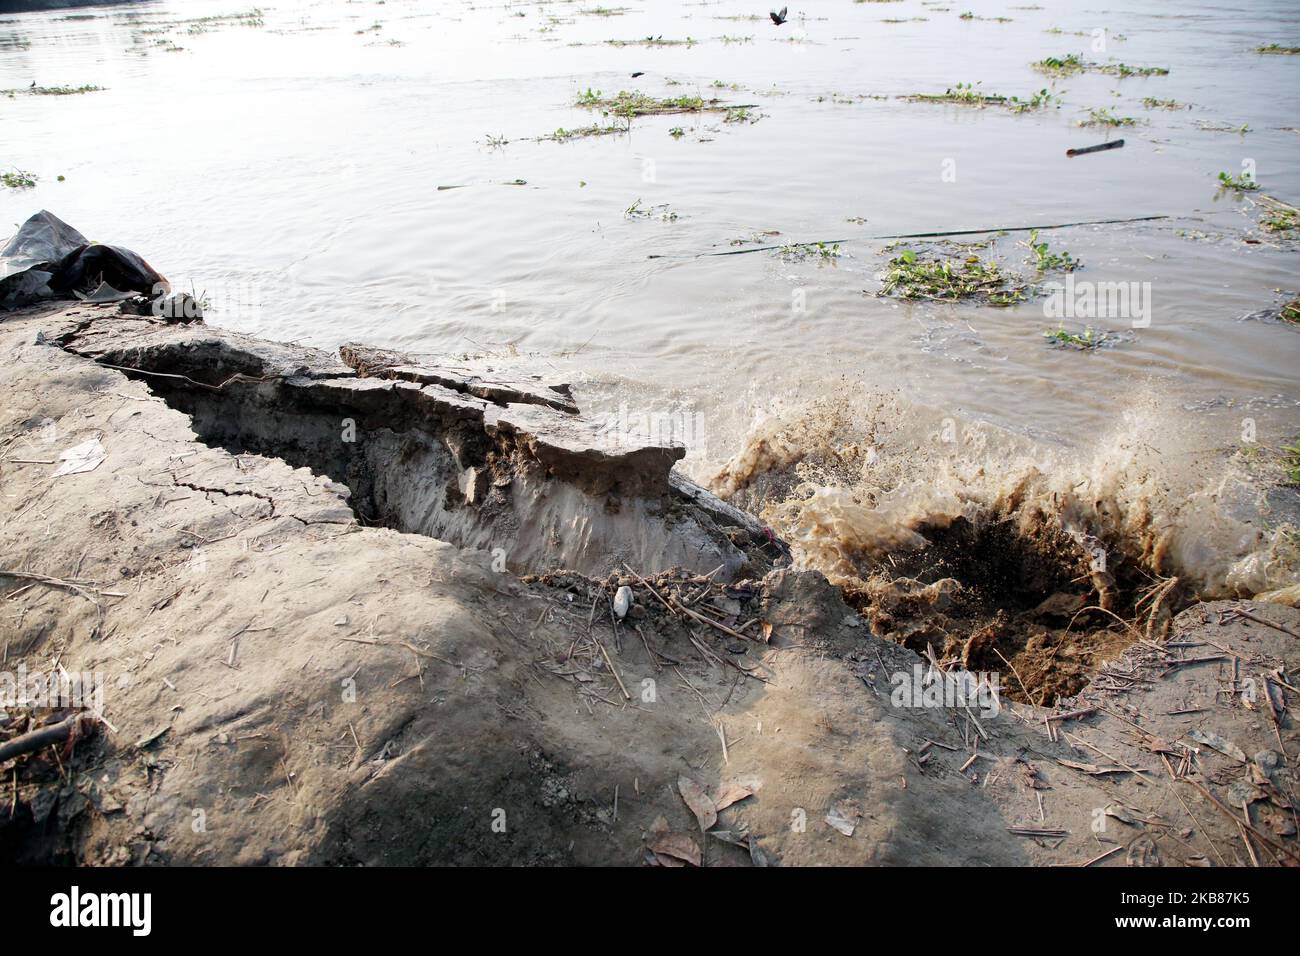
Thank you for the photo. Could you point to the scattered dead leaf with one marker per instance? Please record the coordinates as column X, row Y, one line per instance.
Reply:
column 731, row 793
column 1215, row 742
column 698, row 801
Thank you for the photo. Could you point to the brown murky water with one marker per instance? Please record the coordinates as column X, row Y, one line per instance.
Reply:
column 291, row 165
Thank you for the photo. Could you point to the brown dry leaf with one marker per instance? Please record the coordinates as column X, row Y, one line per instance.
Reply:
column 1079, row 765
column 729, row 794
column 1215, row 742
column 699, row 802
column 678, row 846
column 734, row 837
column 1276, row 699
column 1122, row 814
column 1090, row 768
column 766, row 628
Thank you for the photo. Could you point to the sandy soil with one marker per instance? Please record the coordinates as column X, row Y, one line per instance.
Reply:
column 286, row 686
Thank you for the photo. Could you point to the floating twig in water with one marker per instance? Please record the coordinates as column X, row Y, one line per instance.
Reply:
column 1114, row 144
column 918, row 235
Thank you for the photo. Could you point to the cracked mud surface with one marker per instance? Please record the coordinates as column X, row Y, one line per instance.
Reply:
column 475, row 457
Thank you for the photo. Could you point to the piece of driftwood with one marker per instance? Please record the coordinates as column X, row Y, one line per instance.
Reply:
column 44, row 737
column 1084, row 150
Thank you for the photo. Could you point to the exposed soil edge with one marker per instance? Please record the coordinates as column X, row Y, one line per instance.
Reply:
column 252, row 598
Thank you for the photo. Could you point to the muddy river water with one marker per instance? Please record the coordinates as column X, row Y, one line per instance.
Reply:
column 390, row 172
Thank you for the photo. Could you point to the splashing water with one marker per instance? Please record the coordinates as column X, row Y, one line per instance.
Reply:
column 852, row 482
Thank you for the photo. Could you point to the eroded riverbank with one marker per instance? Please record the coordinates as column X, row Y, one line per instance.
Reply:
column 286, row 682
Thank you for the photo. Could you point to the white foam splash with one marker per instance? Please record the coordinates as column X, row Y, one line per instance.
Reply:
column 849, row 480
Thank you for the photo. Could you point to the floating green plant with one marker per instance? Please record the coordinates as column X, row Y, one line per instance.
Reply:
column 950, row 279
column 18, row 179
column 1280, row 218
column 1123, row 70
column 638, row 211
column 1038, row 101
column 1046, row 260
column 636, row 103
column 964, row 93
column 653, row 41
column 1104, row 117
column 563, row 135
column 1243, row 183
column 54, row 90
column 1207, row 127
column 1061, row 65
column 1073, row 63
column 798, row 251
column 968, row 94
column 1086, row 340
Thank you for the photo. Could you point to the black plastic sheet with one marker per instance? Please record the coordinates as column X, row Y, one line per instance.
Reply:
column 47, row 258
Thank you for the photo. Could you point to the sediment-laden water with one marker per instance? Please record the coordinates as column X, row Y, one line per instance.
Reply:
column 330, row 172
